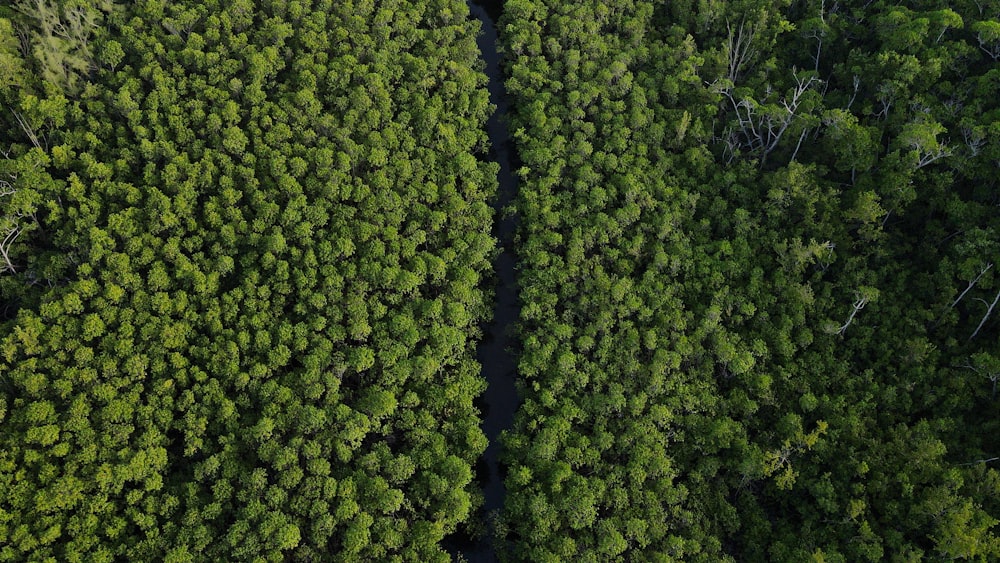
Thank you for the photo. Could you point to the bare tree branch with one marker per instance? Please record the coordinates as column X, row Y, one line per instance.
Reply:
column 971, row 285
column 739, row 47
column 986, row 316
column 858, row 305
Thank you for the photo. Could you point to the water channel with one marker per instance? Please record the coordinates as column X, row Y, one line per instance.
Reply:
column 497, row 350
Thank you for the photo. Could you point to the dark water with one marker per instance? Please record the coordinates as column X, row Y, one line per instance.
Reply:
column 497, row 352
column 492, row 9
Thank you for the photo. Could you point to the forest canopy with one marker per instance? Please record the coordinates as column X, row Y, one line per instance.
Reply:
column 246, row 252
column 242, row 252
column 757, row 245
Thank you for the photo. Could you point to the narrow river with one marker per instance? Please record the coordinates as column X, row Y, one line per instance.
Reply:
column 497, row 352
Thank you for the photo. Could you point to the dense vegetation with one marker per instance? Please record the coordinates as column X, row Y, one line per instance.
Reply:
column 758, row 244
column 242, row 251
column 243, row 248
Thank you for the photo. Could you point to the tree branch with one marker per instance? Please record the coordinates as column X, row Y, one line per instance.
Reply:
column 986, row 316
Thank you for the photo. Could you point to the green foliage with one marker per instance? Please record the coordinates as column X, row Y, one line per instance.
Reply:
column 12, row 73
column 242, row 248
column 241, row 313
column 61, row 33
column 747, row 285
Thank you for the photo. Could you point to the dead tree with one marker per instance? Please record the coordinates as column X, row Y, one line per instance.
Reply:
column 28, row 130
column 739, row 48
column 760, row 129
column 858, row 305
column 857, row 86
column 989, row 311
column 11, row 229
column 974, row 140
column 12, row 225
column 885, row 97
column 817, row 32
column 930, row 156
column 972, row 284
